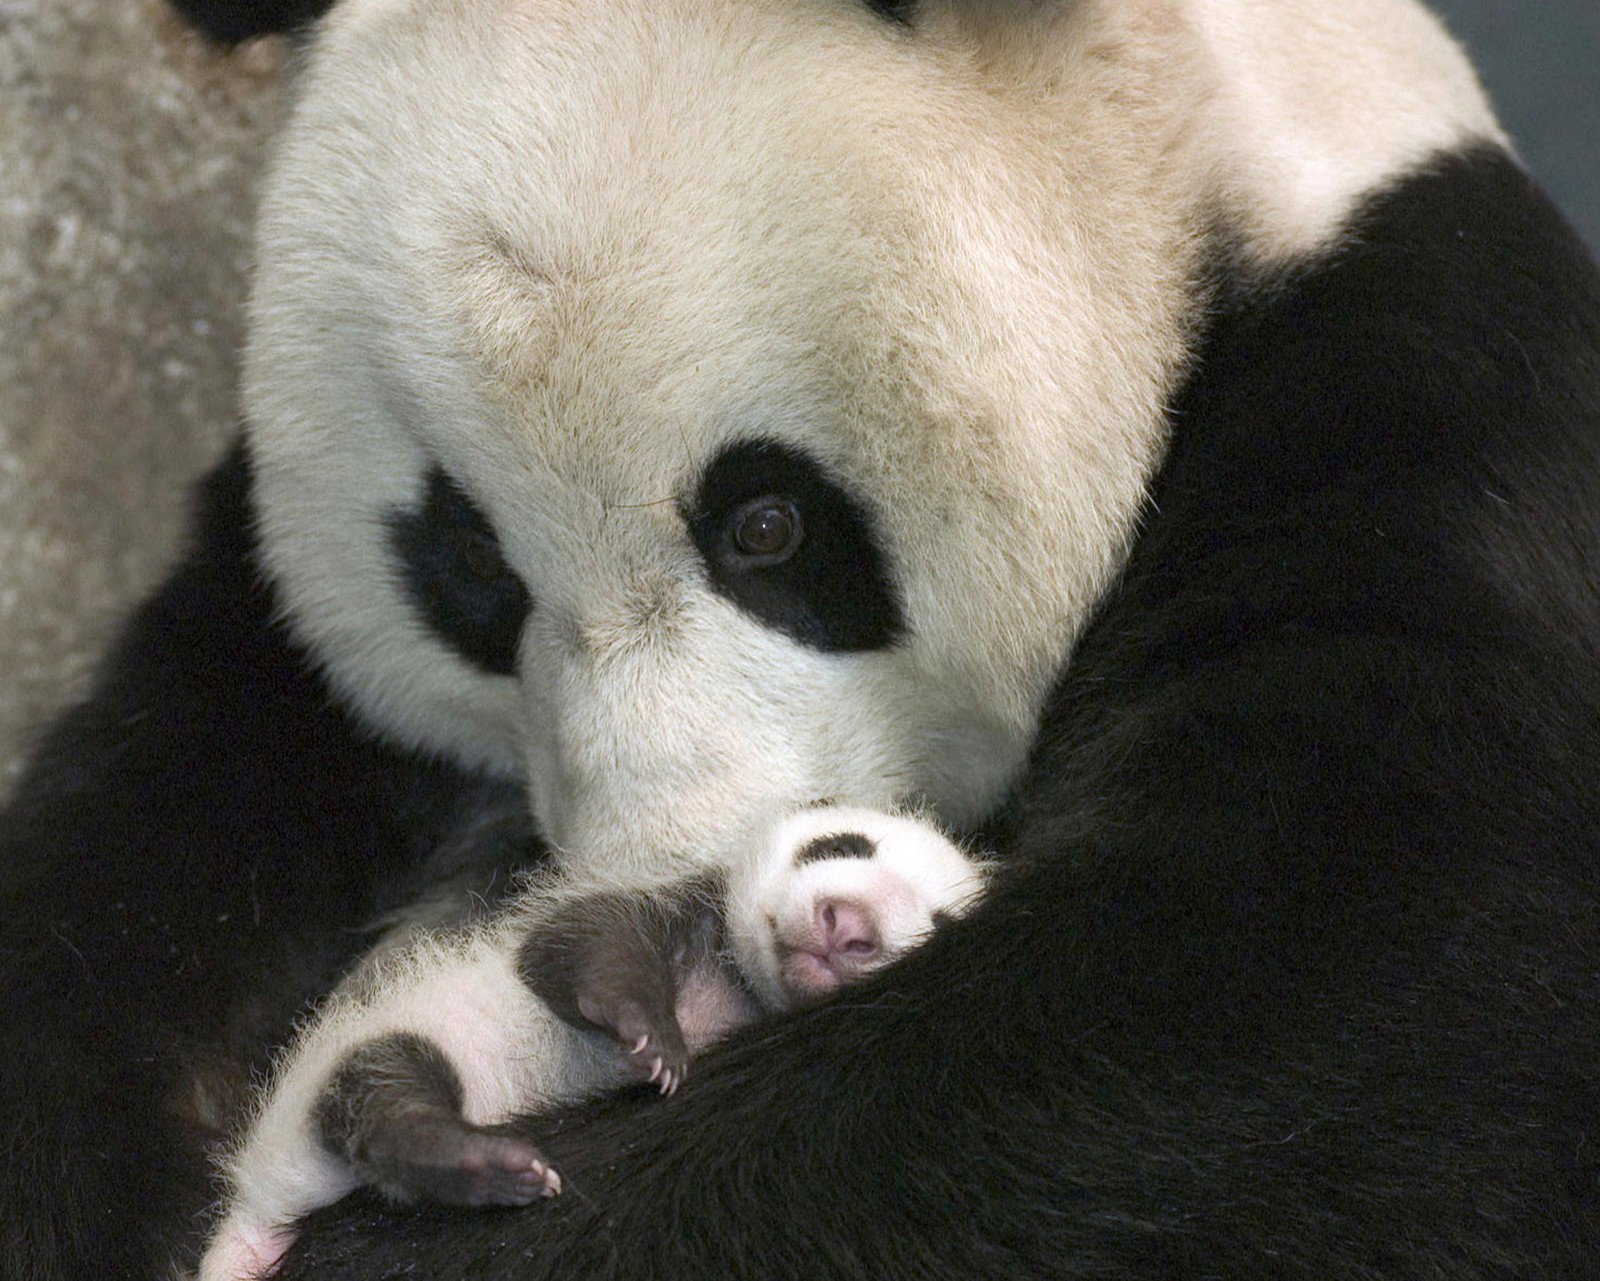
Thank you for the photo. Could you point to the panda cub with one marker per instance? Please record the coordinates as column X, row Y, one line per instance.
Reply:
column 574, row 988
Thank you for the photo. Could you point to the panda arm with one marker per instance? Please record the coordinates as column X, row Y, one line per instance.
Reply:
column 189, row 858
column 1267, row 990
column 613, row 960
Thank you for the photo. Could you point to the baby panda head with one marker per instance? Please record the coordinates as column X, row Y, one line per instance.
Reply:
column 829, row 895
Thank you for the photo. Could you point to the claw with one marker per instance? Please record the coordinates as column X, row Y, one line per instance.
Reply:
column 639, row 1045
column 655, row 1068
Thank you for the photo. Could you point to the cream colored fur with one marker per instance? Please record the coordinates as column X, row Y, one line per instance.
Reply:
column 570, row 252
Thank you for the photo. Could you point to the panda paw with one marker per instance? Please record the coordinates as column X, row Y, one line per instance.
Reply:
column 461, row 1164
column 652, row 1041
column 655, row 1054
column 243, row 1252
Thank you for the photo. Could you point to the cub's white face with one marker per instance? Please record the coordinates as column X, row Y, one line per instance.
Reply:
column 824, row 897
column 702, row 408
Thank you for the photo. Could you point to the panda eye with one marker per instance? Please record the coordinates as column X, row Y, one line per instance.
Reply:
column 767, row 530
column 480, row 553
column 787, row 543
column 451, row 568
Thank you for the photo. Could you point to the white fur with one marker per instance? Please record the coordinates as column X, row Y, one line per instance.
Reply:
column 460, row 990
column 914, row 873
column 569, row 253
column 1320, row 102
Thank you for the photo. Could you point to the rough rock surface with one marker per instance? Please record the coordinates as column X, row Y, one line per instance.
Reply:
column 128, row 153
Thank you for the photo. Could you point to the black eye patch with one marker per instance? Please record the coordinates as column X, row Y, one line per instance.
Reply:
column 839, row 845
column 455, row 575
column 784, row 541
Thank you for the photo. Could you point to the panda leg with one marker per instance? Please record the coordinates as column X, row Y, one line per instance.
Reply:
column 619, row 962
column 393, row 1111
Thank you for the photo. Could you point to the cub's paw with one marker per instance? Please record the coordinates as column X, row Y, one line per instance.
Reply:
column 655, row 1048
column 393, row 1111
column 244, row 1252
column 447, row 1160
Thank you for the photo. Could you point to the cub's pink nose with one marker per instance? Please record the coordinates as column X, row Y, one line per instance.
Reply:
column 846, row 930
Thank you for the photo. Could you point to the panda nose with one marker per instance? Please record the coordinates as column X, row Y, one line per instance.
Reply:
column 846, row 930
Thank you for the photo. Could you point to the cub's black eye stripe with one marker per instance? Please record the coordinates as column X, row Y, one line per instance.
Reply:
column 834, row 846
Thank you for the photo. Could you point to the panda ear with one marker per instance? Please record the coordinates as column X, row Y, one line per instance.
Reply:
column 900, row 11
column 230, row 21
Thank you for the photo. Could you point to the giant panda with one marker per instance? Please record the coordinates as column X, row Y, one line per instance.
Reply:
column 1160, row 436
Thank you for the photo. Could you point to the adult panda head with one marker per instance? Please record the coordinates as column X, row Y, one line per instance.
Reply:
column 699, row 407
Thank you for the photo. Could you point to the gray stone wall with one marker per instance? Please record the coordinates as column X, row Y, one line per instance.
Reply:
column 1541, row 62
column 128, row 151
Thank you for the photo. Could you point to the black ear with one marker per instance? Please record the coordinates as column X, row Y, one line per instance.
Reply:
column 230, row 21
column 894, row 10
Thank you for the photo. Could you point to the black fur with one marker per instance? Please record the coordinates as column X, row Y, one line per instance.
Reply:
column 455, row 574
column 833, row 591
column 195, row 852
column 897, row 11
column 1294, row 969
column 393, row 1112
column 231, row 21
column 616, row 961
column 844, row 845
